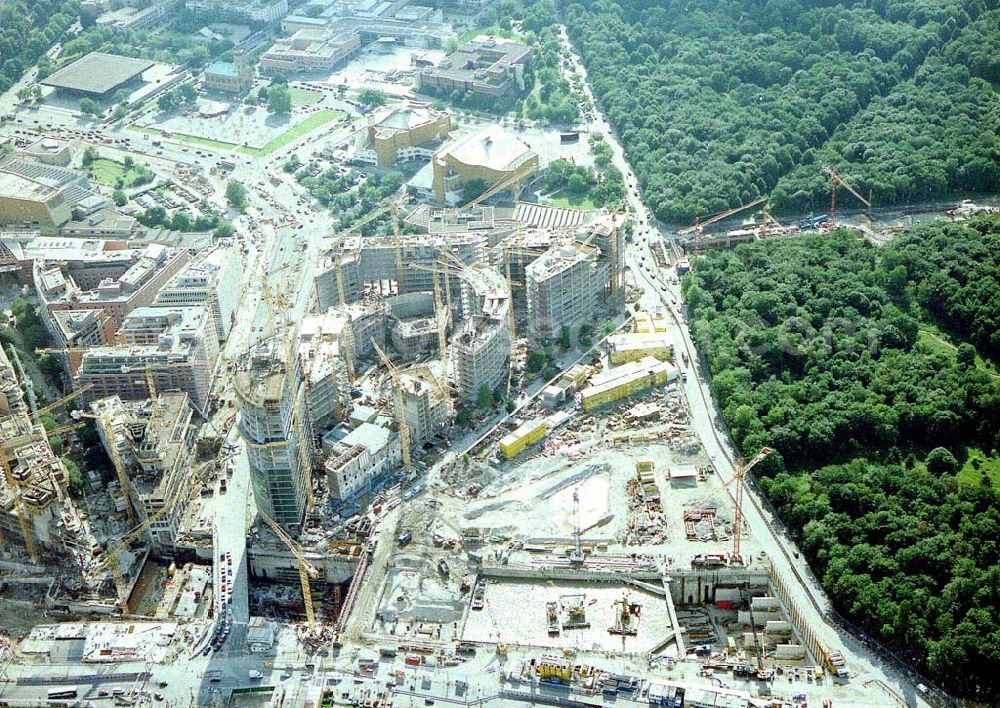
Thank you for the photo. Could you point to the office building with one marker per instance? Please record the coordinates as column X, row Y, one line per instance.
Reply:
column 176, row 344
column 565, row 289
column 310, row 51
column 270, row 400
column 214, row 278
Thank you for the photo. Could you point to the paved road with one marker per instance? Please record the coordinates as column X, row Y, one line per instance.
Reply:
column 707, row 423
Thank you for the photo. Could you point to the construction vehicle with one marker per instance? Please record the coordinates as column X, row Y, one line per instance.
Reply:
column 836, row 179
column 552, row 615
column 397, row 389
column 306, row 571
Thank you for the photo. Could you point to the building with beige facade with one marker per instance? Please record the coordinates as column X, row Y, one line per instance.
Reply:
column 309, row 50
column 402, row 133
column 490, row 154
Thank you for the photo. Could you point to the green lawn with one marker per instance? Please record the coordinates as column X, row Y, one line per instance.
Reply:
column 299, row 130
column 304, row 97
column 936, row 342
column 561, row 199
column 189, row 139
column 109, row 172
column 977, row 463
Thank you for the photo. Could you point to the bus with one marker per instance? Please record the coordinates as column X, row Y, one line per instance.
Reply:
column 227, row 165
column 62, row 692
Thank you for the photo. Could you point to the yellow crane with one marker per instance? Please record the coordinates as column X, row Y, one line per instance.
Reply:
column 306, row 570
column 116, row 458
column 15, row 491
column 397, row 389
column 398, row 243
column 62, row 401
column 112, row 553
column 511, row 183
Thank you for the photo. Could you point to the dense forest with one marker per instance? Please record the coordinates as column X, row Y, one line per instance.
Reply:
column 818, row 348
column 718, row 102
column 28, row 28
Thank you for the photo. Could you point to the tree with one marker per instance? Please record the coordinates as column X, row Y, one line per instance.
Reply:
column 941, row 461
column 484, row 397
column 89, row 155
column 565, row 338
column 223, row 230
column 180, row 222
column 121, row 96
column 73, row 475
column 474, row 188
column 463, row 418
column 279, row 100
column 236, row 194
column 90, row 107
column 538, row 359
column 119, row 113
column 292, row 163
column 119, row 197
column 372, row 98
column 510, row 405
column 167, row 101
column 187, row 93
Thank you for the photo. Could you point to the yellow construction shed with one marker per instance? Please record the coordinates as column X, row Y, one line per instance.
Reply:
column 526, row 435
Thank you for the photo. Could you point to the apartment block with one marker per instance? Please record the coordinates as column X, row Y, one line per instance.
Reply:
column 565, row 289
column 177, row 344
column 213, row 279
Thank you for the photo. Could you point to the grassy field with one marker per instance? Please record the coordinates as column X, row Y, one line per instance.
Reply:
column 304, row 97
column 561, row 199
column 977, row 463
column 109, row 172
column 299, row 130
column 937, row 342
column 189, row 139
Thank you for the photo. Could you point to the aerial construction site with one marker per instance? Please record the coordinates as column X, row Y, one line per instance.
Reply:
column 449, row 441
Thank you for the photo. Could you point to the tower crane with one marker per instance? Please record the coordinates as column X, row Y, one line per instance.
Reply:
column 397, row 389
column 62, row 401
column 398, row 243
column 576, row 557
column 112, row 553
column 116, row 458
column 699, row 226
column 742, row 467
column 306, row 570
column 836, row 179
column 15, row 491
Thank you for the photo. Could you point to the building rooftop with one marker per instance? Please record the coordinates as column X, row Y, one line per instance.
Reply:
column 406, row 117
column 491, row 147
column 97, row 73
column 222, row 68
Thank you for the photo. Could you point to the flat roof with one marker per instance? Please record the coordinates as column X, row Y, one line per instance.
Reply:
column 97, row 73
